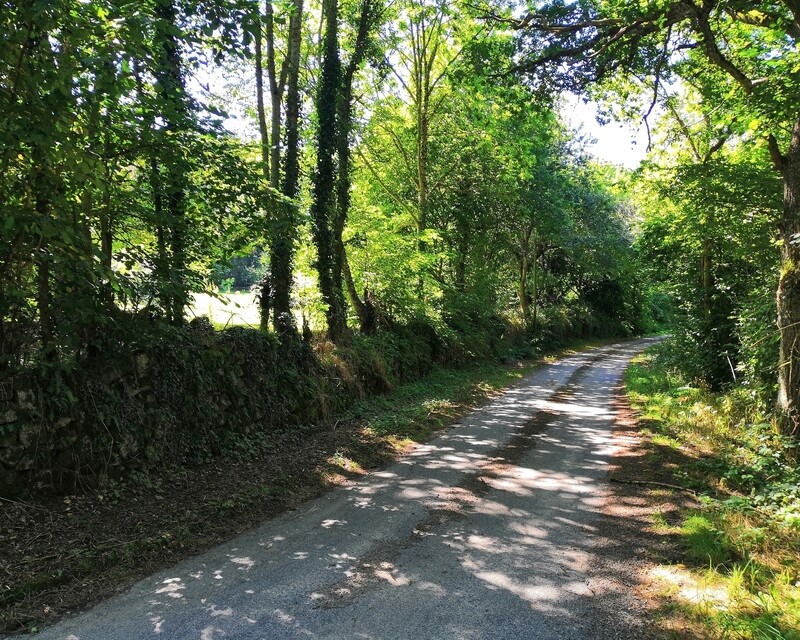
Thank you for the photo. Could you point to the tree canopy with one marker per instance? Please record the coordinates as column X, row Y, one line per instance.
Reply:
column 741, row 58
column 392, row 163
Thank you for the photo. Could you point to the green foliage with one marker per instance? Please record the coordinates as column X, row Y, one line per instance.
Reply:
column 746, row 535
column 120, row 197
column 515, row 219
column 706, row 544
column 726, row 76
column 706, row 238
column 468, row 222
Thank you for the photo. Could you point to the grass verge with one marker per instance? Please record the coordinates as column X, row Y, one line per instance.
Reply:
column 738, row 574
column 62, row 554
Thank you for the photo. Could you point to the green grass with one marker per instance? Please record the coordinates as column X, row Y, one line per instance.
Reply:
column 414, row 411
column 705, row 543
column 745, row 539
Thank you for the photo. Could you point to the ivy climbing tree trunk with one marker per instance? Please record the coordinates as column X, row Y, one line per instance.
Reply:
column 282, row 252
column 340, row 266
column 175, row 111
column 323, row 208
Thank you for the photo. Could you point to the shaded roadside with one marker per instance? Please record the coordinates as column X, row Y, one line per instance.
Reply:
column 59, row 555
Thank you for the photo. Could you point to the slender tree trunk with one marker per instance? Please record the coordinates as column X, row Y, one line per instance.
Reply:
column 162, row 258
column 107, row 240
column 291, row 173
column 323, row 206
column 281, row 251
column 265, row 288
column 707, row 279
column 367, row 318
column 535, row 282
column 422, row 168
column 260, row 109
column 788, row 297
column 462, row 258
column 150, row 141
column 422, row 184
column 523, row 288
column 524, row 272
column 169, row 76
column 282, row 247
column 276, row 88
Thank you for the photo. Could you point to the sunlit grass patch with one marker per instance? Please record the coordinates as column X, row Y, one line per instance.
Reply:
column 703, row 589
column 662, row 525
column 732, row 604
column 666, row 441
column 227, row 310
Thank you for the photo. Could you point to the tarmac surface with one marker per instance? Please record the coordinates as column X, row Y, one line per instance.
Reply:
column 486, row 532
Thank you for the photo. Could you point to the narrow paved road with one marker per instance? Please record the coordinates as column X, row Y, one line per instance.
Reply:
column 485, row 532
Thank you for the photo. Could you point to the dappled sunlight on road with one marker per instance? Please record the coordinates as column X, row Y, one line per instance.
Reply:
column 491, row 522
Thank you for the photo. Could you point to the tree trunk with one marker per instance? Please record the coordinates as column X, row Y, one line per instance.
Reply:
column 291, row 171
column 283, row 237
column 367, row 318
column 707, row 279
column 523, row 288
column 462, row 257
column 281, row 251
column 323, row 205
column 260, row 110
column 172, row 92
column 789, row 290
column 107, row 239
column 265, row 288
column 276, row 87
column 162, row 259
column 340, row 269
column 535, row 273
column 422, row 183
column 150, row 141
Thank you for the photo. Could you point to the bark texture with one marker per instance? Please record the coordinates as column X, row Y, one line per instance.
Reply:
column 282, row 250
column 789, row 289
column 323, row 208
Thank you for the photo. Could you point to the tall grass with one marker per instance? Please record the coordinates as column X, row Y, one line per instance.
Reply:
column 745, row 537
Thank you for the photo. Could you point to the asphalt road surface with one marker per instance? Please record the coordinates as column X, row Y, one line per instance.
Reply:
column 488, row 531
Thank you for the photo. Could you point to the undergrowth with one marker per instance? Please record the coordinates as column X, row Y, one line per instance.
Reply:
column 742, row 544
